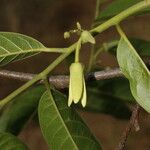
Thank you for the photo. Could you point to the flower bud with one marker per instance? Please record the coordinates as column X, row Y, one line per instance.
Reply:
column 87, row 37
column 79, row 26
column 66, row 35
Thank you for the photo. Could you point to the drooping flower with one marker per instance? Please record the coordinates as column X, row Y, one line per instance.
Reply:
column 77, row 88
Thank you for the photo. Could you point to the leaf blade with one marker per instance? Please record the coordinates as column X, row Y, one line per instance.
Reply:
column 9, row 141
column 69, row 127
column 141, row 46
column 15, row 46
column 135, row 70
column 16, row 114
column 116, row 7
column 103, row 101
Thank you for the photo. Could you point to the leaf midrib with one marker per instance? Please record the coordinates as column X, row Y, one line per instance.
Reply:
column 61, row 119
column 28, row 51
column 134, row 51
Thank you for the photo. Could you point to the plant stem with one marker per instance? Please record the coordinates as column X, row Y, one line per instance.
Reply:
column 47, row 86
column 121, row 16
column 105, row 47
column 120, row 31
column 38, row 77
column 101, row 49
column 132, row 123
column 93, row 46
column 98, row 2
column 77, row 52
column 113, row 21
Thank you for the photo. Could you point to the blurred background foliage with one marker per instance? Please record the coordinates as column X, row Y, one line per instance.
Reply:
column 46, row 21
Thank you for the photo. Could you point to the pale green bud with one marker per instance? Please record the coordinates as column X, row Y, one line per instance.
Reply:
column 87, row 37
column 66, row 35
column 77, row 89
column 78, row 26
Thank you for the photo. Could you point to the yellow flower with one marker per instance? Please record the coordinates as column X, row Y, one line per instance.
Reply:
column 77, row 88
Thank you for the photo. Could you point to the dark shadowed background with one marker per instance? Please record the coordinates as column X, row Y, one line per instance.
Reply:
column 47, row 20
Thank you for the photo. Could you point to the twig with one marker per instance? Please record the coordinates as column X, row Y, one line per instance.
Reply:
column 132, row 123
column 61, row 81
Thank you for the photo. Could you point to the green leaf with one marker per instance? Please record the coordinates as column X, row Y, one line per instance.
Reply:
column 17, row 113
column 14, row 46
column 136, row 72
column 104, row 102
column 101, row 103
column 62, row 127
column 117, row 87
column 142, row 46
column 10, row 142
column 109, row 97
column 116, row 7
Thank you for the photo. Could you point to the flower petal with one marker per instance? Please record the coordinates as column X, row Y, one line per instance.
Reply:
column 76, row 76
column 84, row 96
column 70, row 94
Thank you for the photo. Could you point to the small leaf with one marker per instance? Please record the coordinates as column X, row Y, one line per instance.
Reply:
column 14, row 46
column 62, row 127
column 136, row 72
column 10, row 142
column 116, row 7
column 17, row 113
